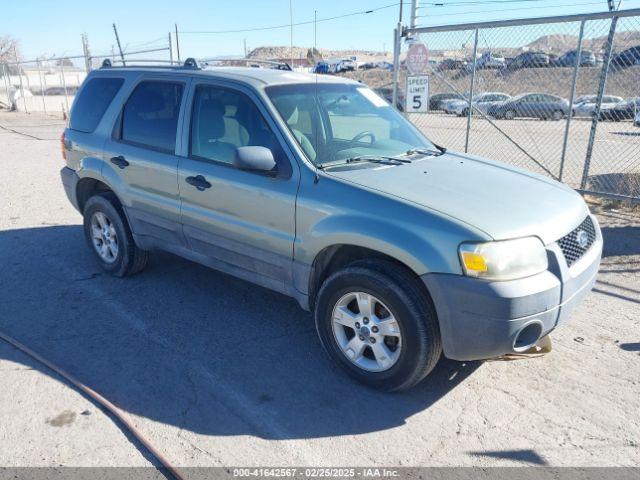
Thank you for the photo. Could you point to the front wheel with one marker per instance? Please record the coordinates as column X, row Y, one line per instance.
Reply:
column 378, row 323
column 510, row 114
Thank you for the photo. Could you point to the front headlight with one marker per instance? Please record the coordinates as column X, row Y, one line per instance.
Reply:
column 504, row 260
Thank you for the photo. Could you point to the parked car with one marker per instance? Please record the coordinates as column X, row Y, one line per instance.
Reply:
column 385, row 65
column 626, row 58
column 490, row 60
column 367, row 66
column 321, row 67
column 387, row 94
column 452, row 64
column 585, row 106
column 569, row 59
column 531, row 105
column 345, row 65
column 636, row 121
column 437, row 100
column 235, row 168
column 530, row 60
column 481, row 102
column 625, row 110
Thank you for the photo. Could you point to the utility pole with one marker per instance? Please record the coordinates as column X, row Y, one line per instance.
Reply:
column 177, row 43
column 245, row 48
column 414, row 9
column 87, row 53
column 291, row 32
column 170, row 50
column 115, row 30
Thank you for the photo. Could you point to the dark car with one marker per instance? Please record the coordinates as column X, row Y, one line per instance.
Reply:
column 387, row 94
column 569, row 59
column 436, row 101
column 626, row 58
column 531, row 105
column 452, row 64
column 623, row 111
column 530, row 60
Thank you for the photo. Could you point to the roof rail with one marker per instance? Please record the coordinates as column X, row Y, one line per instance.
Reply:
column 108, row 63
column 253, row 62
column 193, row 64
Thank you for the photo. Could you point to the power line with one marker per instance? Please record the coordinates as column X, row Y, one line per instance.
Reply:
column 509, row 9
column 289, row 25
column 472, row 2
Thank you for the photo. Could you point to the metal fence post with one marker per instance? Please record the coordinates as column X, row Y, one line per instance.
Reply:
column 44, row 103
column 396, row 63
column 473, row 80
column 64, row 85
column 596, row 115
column 7, row 84
column 571, row 100
column 18, row 68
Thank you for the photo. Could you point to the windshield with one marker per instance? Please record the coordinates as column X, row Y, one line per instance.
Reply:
column 333, row 122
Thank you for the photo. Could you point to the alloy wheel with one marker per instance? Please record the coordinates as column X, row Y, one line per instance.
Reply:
column 366, row 331
column 104, row 237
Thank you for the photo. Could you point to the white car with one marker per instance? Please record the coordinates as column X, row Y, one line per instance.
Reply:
column 481, row 101
column 585, row 106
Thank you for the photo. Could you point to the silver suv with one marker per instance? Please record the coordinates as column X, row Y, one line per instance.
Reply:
column 315, row 187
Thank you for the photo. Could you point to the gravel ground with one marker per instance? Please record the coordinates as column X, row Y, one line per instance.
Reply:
column 215, row 371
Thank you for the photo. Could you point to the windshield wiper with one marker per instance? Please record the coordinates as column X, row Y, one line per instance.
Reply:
column 426, row 151
column 386, row 160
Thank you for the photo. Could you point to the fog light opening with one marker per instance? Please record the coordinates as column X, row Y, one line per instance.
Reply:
column 527, row 337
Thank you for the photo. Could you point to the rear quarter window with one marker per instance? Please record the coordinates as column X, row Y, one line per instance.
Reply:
column 93, row 100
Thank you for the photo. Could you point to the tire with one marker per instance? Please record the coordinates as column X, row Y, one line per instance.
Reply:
column 124, row 258
column 415, row 335
column 509, row 115
column 464, row 113
column 557, row 115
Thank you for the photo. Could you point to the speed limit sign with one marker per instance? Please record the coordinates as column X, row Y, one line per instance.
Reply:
column 417, row 94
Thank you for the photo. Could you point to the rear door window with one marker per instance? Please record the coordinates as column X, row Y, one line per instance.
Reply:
column 94, row 99
column 150, row 116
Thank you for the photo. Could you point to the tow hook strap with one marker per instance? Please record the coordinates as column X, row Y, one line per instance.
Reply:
column 115, row 411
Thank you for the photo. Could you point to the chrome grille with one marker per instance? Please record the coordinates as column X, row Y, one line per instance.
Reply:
column 570, row 244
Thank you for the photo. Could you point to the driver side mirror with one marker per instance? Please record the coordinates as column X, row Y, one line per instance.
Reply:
column 256, row 159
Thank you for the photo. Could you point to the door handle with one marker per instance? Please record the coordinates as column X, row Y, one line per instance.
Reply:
column 199, row 182
column 120, row 161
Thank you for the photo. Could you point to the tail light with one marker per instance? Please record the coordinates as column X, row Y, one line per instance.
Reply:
column 63, row 149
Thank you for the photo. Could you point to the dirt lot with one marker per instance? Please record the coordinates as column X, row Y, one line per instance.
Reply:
column 215, row 371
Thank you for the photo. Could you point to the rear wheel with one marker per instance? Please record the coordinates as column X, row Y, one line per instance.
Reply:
column 557, row 115
column 109, row 236
column 510, row 114
column 376, row 321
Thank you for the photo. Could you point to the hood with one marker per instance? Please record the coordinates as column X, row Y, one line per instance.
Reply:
column 501, row 200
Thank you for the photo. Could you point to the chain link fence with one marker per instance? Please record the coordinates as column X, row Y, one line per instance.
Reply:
column 559, row 96
column 49, row 85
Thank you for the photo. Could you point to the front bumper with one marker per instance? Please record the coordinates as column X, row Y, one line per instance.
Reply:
column 483, row 319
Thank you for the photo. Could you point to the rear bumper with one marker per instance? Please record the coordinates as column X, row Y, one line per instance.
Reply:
column 483, row 319
column 70, row 182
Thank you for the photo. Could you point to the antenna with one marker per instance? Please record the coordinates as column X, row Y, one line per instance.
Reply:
column 316, row 179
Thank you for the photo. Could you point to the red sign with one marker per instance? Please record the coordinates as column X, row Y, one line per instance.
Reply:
column 417, row 59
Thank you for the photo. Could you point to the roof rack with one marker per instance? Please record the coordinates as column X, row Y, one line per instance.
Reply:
column 108, row 63
column 195, row 64
column 252, row 62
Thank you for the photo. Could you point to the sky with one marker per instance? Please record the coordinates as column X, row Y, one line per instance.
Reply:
column 54, row 28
